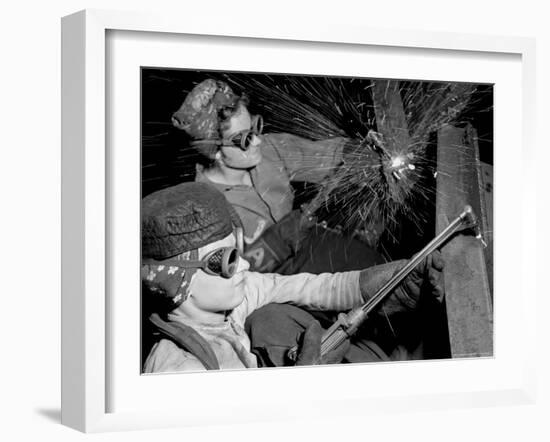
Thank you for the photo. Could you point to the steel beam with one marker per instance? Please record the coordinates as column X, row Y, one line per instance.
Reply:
column 467, row 287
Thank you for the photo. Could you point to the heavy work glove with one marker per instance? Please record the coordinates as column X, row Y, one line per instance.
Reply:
column 309, row 352
column 279, row 242
column 426, row 279
column 427, row 276
column 274, row 329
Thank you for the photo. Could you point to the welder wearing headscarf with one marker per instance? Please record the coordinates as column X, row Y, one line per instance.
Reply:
column 254, row 171
column 206, row 292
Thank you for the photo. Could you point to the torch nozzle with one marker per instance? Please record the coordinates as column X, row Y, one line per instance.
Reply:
column 470, row 219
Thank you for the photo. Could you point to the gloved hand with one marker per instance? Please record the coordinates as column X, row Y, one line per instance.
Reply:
column 427, row 276
column 310, row 348
column 365, row 149
column 279, row 242
column 374, row 138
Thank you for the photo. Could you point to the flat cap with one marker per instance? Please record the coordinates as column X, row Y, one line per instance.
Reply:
column 183, row 218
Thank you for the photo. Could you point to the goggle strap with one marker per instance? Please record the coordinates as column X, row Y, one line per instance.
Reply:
column 197, row 264
column 257, row 124
column 171, row 261
column 215, row 141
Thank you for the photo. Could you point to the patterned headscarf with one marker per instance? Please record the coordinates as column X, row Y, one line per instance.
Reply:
column 199, row 115
column 167, row 281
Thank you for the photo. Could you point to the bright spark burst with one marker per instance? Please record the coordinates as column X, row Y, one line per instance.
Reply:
column 381, row 178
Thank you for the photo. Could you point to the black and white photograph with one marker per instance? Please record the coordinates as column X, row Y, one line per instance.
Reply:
column 300, row 220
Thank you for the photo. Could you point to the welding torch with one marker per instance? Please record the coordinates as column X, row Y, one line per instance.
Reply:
column 348, row 324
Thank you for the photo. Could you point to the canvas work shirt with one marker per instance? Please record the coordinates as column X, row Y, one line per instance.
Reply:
column 338, row 291
column 285, row 158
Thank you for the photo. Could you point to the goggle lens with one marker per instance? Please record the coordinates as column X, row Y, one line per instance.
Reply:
column 222, row 262
column 244, row 139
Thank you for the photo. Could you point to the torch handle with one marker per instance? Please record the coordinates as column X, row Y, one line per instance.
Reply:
column 347, row 324
column 457, row 224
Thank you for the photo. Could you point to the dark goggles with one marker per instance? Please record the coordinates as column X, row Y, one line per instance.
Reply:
column 220, row 262
column 242, row 139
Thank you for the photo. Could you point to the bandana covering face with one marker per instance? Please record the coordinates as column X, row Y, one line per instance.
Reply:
column 168, row 283
column 199, row 113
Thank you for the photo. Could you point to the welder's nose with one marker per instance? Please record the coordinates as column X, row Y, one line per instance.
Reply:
column 243, row 265
column 256, row 140
column 176, row 121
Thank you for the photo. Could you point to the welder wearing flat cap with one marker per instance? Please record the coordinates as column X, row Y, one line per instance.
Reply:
column 254, row 171
column 205, row 291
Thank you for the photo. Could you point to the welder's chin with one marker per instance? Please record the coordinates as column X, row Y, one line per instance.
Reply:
column 237, row 158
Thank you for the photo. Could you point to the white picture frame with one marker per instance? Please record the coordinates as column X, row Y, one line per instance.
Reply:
column 89, row 172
